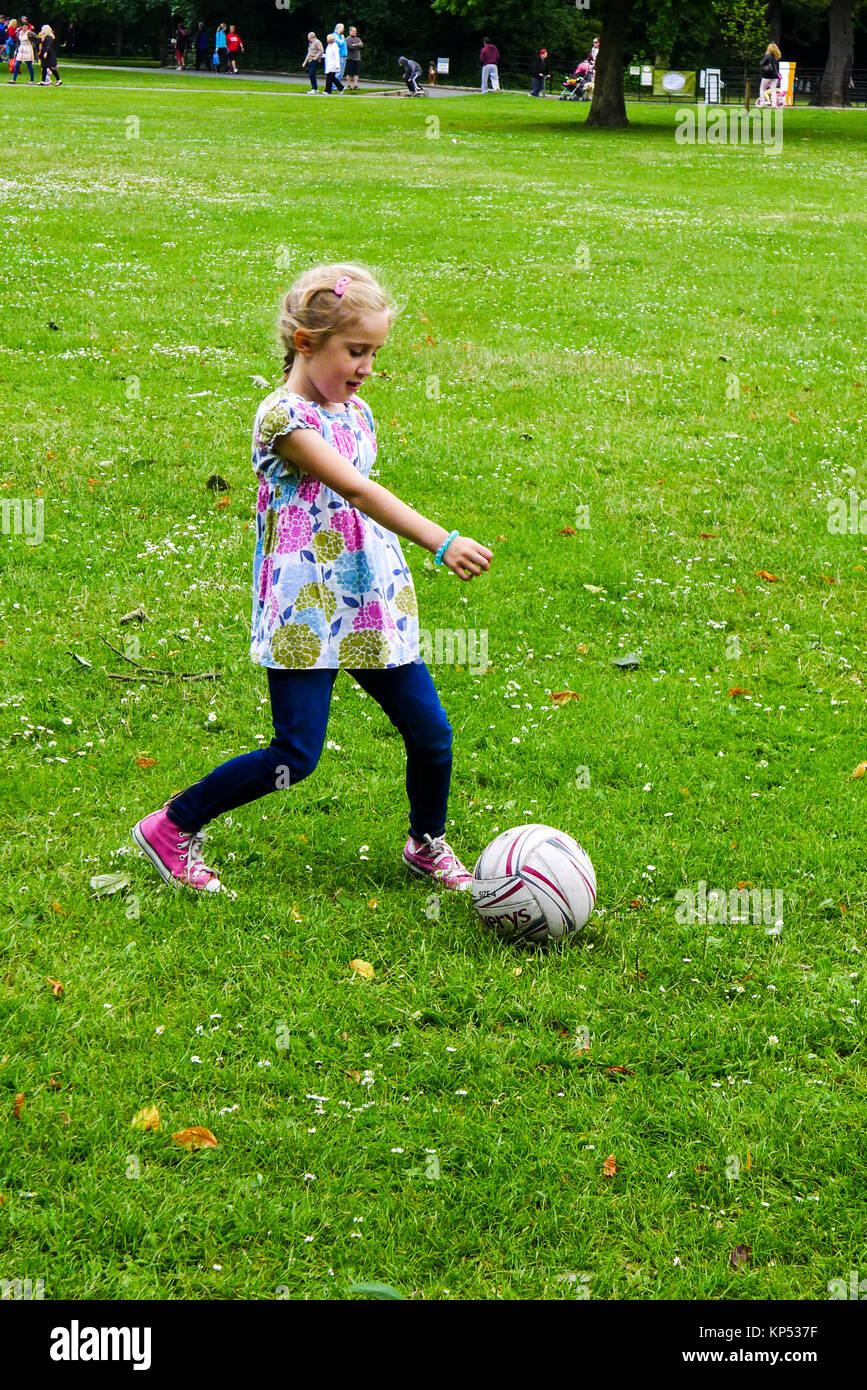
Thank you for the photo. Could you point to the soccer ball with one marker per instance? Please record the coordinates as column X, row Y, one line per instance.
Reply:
column 534, row 883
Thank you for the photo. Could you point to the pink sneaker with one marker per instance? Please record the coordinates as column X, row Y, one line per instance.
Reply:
column 176, row 853
column 438, row 860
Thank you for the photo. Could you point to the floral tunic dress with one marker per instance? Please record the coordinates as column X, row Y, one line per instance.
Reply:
column 331, row 588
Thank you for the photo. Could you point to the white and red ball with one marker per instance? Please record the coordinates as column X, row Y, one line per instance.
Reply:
column 534, row 883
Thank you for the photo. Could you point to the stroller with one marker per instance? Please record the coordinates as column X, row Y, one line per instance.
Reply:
column 578, row 86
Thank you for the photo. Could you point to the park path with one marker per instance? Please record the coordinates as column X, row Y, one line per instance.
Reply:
column 388, row 89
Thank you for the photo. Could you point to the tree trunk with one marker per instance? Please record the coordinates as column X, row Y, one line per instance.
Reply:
column 834, row 82
column 775, row 21
column 118, row 38
column 608, row 108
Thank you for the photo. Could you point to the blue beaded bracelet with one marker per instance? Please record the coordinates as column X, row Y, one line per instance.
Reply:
column 438, row 558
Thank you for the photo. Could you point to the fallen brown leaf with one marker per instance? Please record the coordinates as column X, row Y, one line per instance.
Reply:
column 363, row 968
column 195, row 1138
column 707, row 535
column 829, row 579
column 224, row 502
column 560, row 697
column 859, row 771
column 621, row 1071
column 56, row 986
column 740, row 1256
column 567, row 531
column 771, row 578
column 147, row 1119
column 609, row 1167
column 145, row 762
column 17, row 1107
column 582, row 648
column 739, row 690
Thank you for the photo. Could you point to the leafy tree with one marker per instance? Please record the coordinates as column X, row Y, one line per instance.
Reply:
column 833, row 89
column 608, row 107
column 743, row 25
column 114, row 17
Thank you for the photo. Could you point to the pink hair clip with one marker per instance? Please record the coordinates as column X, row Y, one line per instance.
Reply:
column 342, row 283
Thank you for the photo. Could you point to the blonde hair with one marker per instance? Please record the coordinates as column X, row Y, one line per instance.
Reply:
column 312, row 304
column 772, row 48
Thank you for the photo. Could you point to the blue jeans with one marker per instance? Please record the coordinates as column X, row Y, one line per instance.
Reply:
column 312, row 69
column 300, row 702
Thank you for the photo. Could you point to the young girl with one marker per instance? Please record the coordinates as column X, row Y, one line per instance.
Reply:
column 331, row 588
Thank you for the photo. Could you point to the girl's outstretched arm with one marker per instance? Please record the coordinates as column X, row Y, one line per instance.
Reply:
column 309, row 452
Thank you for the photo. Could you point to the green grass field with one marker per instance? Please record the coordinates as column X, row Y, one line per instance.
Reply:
column 658, row 346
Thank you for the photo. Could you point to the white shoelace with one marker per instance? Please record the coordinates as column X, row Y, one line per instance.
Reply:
column 438, row 845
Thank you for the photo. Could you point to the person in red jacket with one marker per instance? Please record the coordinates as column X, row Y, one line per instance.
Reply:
column 489, row 58
column 233, row 48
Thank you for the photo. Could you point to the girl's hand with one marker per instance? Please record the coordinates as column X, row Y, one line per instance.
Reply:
column 467, row 558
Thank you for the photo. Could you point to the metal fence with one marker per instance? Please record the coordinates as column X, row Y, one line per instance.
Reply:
column 733, row 88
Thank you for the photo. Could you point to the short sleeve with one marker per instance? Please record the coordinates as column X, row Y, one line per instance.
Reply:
column 275, row 418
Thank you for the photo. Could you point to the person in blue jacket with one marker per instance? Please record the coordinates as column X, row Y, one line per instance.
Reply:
column 220, row 49
column 340, row 39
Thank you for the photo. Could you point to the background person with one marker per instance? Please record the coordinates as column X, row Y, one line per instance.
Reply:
column 411, row 74
column 234, row 46
column 181, row 40
column 353, row 59
column 203, row 47
column 332, row 66
column 540, row 69
column 343, row 46
column 48, row 57
column 23, row 53
column 10, row 42
column 220, row 49
column 489, row 58
column 315, row 54
column 769, row 69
